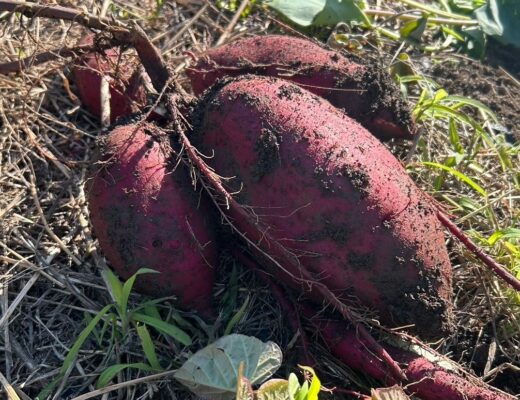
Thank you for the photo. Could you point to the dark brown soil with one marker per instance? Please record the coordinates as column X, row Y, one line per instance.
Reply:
column 489, row 84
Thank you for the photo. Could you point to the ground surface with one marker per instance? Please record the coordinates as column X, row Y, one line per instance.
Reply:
column 52, row 281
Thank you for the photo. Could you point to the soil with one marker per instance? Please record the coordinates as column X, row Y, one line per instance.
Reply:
column 492, row 85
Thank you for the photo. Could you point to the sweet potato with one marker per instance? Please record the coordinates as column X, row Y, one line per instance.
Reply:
column 332, row 194
column 427, row 379
column 146, row 215
column 366, row 93
column 127, row 92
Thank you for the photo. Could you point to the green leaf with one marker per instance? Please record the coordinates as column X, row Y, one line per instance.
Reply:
column 315, row 387
column 115, row 285
column 293, row 386
column 320, row 12
column 466, row 179
column 414, row 30
column 237, row 317
column 508, row 233
column 454, row 137
column 85, row 333
column 108, row 374
column 148, row 346
column 212, row 372
column 129, row 284
column 500, row 19
column 336, row 11
column 73, row 353
column 274, row 389
column 164, row 327
column 302, row 392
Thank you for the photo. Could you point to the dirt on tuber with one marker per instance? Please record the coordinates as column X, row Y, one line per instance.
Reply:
column 365, row 92
column 146, row 213
column 333, row 195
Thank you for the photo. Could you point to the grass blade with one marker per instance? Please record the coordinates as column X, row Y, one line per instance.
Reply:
column 237, row 317
column 164, row 327
column 108, row 374
column 466, row 179
column 115, row 285
column 129, row 284
column 148, row 347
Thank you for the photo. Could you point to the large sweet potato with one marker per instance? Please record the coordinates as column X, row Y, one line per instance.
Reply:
column 127, row 92
column 366, row 93
column 146, row 215
column 331, row 193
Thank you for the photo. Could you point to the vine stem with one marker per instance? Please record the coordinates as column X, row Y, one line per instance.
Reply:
column 410, row 17
column 499, row 270
column 150, row 56
column 433, row 10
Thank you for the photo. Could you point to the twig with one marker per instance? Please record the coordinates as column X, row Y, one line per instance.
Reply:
column 433, row 10
column 11, row 393
column 411, row 17
column 148, row 53
column 232, row 23
column 151, row 58
column 18, row 299
column 40, row 58
column 118, row 386
column 500, row 271
column 59, row 12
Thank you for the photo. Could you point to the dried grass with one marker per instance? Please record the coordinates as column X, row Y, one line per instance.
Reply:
column 50, row 262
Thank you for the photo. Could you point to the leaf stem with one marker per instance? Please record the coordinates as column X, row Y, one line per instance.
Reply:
column 433, row 10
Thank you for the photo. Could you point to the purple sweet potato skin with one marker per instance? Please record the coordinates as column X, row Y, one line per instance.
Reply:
column 144, row 215
column 127, row 93
column 330, row 192
column 426, row 380
column 364, row 93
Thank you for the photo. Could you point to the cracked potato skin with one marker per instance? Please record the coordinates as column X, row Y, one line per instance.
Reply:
column 145, row 214
column 330, row 192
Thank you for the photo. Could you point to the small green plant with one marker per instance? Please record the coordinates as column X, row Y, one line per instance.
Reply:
column 228, row 368
column 115, row 325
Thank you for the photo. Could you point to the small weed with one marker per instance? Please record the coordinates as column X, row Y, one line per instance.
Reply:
column 119, row 327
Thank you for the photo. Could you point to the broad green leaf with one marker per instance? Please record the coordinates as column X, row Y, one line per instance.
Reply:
column 108, row 374
column 500, row 19
column 274, row 389
column 164, row 327
column 454, row 137
column 212, row 372
column 472, row 102
column 336, row 11
column 148, row 346
column 320, row 12
column 152, row 311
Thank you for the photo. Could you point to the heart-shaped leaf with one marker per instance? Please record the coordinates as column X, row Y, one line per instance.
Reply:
column 213, row 371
